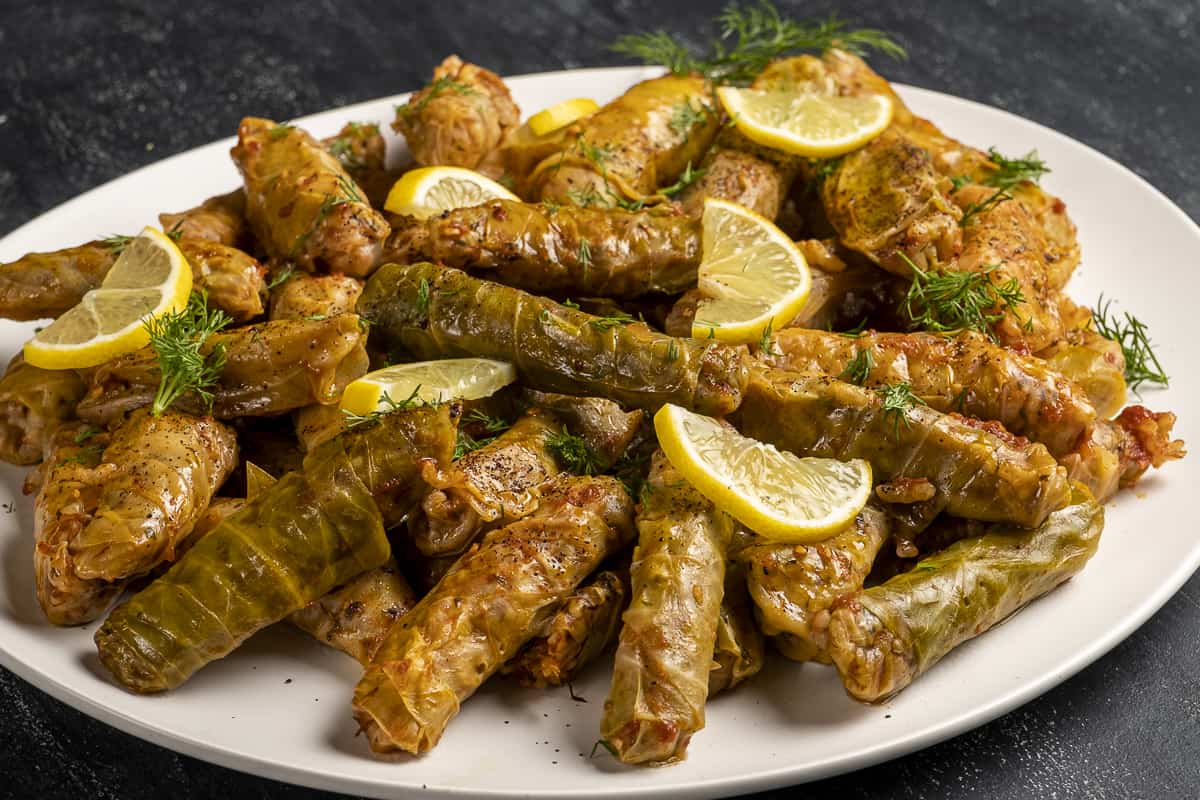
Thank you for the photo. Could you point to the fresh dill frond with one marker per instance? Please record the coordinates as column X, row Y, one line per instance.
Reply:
column 750, row 38
column 279, row 131
column 953, row 301
column 629, row 205
column 386, row 406
column 281, row 277
column 551, row 207
column 176, row 231
column 822, row 168
column 612, row 751
column 587, row 196
column 631, row 471
column 86, row 433
column 685, row 116
column 1141, row 362
column 957, row 182
column 87, row 456
column 178, row 338
column 116, row 243
column 466, row 443
column 856, row 331
column 435, row 88
column 1009, row 173
column 897, row 400
column 584, row 256
column 672, row 351
column 765, row 344
column 1012, row 171
column 423, row 296
column 345, row 193
column 490, row 424
column 314, row 317
column 858, row 370
column 572, row 452
column 597, row 154
column 686, row 179
column 613, row 320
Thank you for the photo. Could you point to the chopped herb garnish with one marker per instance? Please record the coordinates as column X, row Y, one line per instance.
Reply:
column 685, row 116
column 958, row 181
column 672, row 351
column 1008, row 174
column 629, row 205
column 750, row 38
column 177, row 338
column 1141, row 363
column 490, row 424
column 572, row 451
column 952, row 301
column 423, row 296
column 116, row 243
column 686, row 179
column 584, row 256
column 821, row 170
column 858, row 370
column 386, row 406
column 86, row 455
column 314, row 317
column 176, row 232
column 898, row 399
column 281, row 277
column 587, row 196
column 551, row 206
column 569, row 303
column 85, row 434
column 613, row 320
column 279, row 131
column 765, row 345
column 631, row 472
column 856, row 331
column 439, row 85
column 604, row 743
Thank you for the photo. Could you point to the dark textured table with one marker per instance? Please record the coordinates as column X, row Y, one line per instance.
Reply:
column 89, row 91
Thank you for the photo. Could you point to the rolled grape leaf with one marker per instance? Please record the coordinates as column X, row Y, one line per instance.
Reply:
column 270, row 368
column 882, row 638
column 495, row 598
column 982, row 471
column 665, row 651
column 438, row 313
column 314, row 530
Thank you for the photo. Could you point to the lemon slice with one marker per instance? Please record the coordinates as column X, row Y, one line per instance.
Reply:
column 753, row 277
column 806, row 123
column 431, row 190
column 427, row 382
column 150, row 278
column 775, row 494
column 562, row 114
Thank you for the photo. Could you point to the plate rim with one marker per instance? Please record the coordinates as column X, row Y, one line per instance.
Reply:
column 251, row 764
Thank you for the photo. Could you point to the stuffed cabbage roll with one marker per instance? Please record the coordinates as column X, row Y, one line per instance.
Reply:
column 739, row 651
column 34, row 403
column 314, row 530
column 356, row 617
column 301, row 203
column 607, row 429
column 496, row 597
column 538, row 247
column 668, row 634
column 578, row 632
column 232, row 281
column 460, row 119
column 44, row 285
column 979, row 469
column 1093, row 363
column 220, row 219
column 633, row 146
column 362, row 151
column 438, row 313
column 794, row 584
column 487, row 487
column 882, row 638
column 303, row 296
column 270, row 368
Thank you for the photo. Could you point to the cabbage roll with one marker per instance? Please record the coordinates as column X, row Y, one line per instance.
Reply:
column 600, row 252
column 882, row 638
column 302, row 204
column 312, row 531
column 232, row 281
column 739, row 652
column 607, row 429
column 794, row 584
column 34, row 403
column 220, row 219
column 497, row 596
column 578, row 632
column 44, row 285
column 668, row 634
column 305, row 296
column 980, row 470
column 438, row 313
column 270, row 368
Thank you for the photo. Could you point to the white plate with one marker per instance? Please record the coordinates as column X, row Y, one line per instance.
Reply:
column 279, row 706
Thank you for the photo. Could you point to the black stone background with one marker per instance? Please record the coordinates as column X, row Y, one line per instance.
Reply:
column 89, row 91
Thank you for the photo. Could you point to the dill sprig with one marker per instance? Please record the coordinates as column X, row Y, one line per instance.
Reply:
column 750, row 38
column 686, row 179
column 584, row 256
column 85, row 433
column 281, row 277
column 897, row 400
column 858, row 370
column 587, row 196
column 1141, row 363
column 953, row 301
column 435, row 88
column 1009, row 173
column 423, row 296
column 572, row 451
column 116, row 243
column 345, row 193
column 685, row 116
column 342, row 148
column 765, row 343
column 466, row 443
column 177, row 338
column 614, row 320
column 386, row 406
column 279, row 131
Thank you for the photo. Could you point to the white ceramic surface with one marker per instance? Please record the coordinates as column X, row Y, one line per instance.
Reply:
column 791, row 723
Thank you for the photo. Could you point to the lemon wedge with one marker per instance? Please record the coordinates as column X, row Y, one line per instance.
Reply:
column 150, row 278
column 806, row 123
column 427, row 382
column 431, row 190
column 753, row 276
column 561, row 115
column 775, row 494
